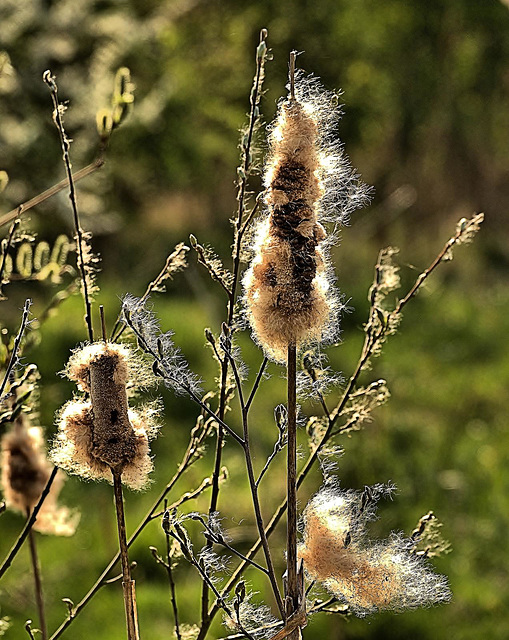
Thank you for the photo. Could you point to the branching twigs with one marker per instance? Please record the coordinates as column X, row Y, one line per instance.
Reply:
column 29, row 524
column 468, row 226
column 174, row 529
column 64, row 140
column 465, row 231
column 174, row 262
column 14, row 359
column 163, row 371
column 256, row 383
column 169, row 570
column 216, row 537
column 281, row 417
column 240, row 226
column 258, row 512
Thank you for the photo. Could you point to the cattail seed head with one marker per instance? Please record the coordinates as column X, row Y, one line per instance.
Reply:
column 103, row 435
column 25, row 472
column 288, row 289
column 368, row 576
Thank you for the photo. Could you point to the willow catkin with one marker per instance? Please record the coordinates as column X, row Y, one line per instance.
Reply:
column 102, row 435
column 288, row 293
column 367, row 575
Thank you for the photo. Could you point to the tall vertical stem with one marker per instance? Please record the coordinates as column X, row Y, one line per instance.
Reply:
column 131, row 613
column 37, row 581
column 49, row 79
column 292, row 588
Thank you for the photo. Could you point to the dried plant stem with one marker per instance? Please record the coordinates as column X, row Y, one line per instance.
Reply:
column 17, row 344
column 332, row 417
column 36, row 570
column 292, row 587
column 127, row 582
column 187, row 460
column 173, row 594
column 28, row 526
column 33, row 202
column 259, row 517
column 64, row 140
column 239, row 233
column 6, row 245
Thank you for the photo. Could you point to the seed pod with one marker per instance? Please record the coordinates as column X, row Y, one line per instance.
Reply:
column 114, row 439
column 25, row 472
column 288, row 292
column 104, row 435
column 367, row 575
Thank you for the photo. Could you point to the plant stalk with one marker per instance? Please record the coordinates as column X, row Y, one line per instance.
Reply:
column 36, row 569
column 128, row 587
column 292, row 587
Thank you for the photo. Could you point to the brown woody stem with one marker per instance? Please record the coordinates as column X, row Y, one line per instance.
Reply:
column 292, row 587
column 131, row 613
column 36, row 569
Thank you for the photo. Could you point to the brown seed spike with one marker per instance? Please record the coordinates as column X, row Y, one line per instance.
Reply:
column 113, row 435
column 286, row 285
column 103, row 435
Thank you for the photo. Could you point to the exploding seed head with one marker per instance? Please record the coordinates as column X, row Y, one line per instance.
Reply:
column 368, row 576
column 25, row 472
column 287, row 287
column 103, row 435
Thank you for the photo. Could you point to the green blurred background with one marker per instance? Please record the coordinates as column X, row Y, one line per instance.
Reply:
column 426, row 93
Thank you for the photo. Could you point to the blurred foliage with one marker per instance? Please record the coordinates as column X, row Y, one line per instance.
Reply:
column 426, row 87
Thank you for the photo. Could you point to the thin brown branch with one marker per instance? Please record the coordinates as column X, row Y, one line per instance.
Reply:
column 127, row 582
column 60, row 186
column 196, row 440
column 36, row 569
column 292, row 587
column 241, row 196
column 6, row 245
column 13, row 360
column 258, row 514
column 49, row 79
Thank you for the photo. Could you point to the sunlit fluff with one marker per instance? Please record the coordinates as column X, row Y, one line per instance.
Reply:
column 366, row 575
column 25, row 472
column 308, row 180
column 102, row 435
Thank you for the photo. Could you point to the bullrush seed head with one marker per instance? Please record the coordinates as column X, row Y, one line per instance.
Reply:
column 367, row 575
column 103, row 435
column 288, row 289
column 25, row 472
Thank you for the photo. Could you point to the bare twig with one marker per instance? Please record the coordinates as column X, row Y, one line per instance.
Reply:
column 127, row 582
column 198, row 434
column 258, row 514
column 36, row 569
column 49, row 79
column 217, row 538
column 29, row 204
column 241, row 197
column 6, row 245
column 256, row 383
column 13, row 360
column 172, row 585
column 154, row 285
